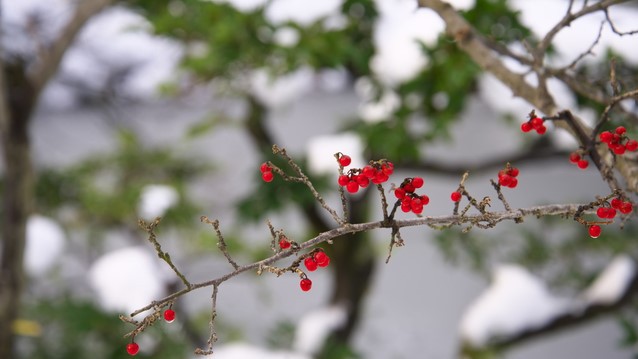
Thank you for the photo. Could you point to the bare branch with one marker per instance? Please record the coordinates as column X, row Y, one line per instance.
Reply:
column 49, row 58
column 149, row 228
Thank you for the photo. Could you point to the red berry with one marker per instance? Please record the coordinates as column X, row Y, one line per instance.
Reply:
column 620, row 130
column 455, row 196
column 582, row 164
column 169, row 315
column 345, row 160
column 425, row 200
column 601, row 212
column 399, row 193
column 267, row 176
column 305, row 284
column 322, row 259
column 541, row 130
column 379, row 177
column 310, row 264
column 352, row 186
column 132, row 348
column 387, row 168
column 408, row 187
column 513, row 172
column 368, row 171
column 513, row 183
column 265, row 167
column 619, row 149
column 574, row 157
column 611, row 212
column 406, row 204
column 362, row 181
column 536, row 122
column 616, row 203
column 626, row 208
column 526, row 127
column 343, row 180
column 606, row 136
column 417, row 182
column 505, row 180
column 416, row 205
column 284, row 244
column 631, row 145
column 594, row 231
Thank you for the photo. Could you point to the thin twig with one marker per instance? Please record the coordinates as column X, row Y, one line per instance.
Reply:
column 150, row 229
column 222, row 243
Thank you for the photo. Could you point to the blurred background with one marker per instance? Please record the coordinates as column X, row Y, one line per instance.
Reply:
column 167, row 108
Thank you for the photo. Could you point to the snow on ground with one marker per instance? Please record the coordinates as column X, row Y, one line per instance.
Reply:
column 127, row 279
column 155, row 200
column 611, row 284
column 321, row 149
column 314, row 328
column 247, row 351
column 304, row 13
column 44, row 244
column 516, row 300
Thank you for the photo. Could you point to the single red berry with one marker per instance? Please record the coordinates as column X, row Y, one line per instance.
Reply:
column 541, row 130
column 305, row 284
column 265, row 167
column 368, row 171
column 406, row 204
column 619, row 149
column 582, row 164
column 631, row 145
column 417, row 182
column 284, row 244
column 267, row 176
column 425, row 200
column 362, row 181
column 620, row 130
column 615, row 139
column 379, row 177
column 594, row 231
column 352, row 186
column 505, row 180
column 343, row 180
column 416, row 205
column 322, row 259
column 611, row 212
column 455, row 196
column 399, row 193
column 526, row 127
column 601, row 212
column 574, row 157
column 513, row 183
column 536, row 122
column 409, row 187
column 616, row 203
column 310, row 264
column 606, row 136
column 345, row 160
column 626, row 208
column 169, row 315
column 513, row 172
column 387, row 168
column 132, row 348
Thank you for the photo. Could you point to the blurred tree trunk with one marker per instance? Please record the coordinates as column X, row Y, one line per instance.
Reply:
column 17, row 102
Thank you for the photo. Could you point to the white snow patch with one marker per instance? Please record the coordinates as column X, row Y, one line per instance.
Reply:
column 304, row 13
column 382, row 110
column 280, row 91
column 400, row 27
column 333, row 80
column 461, row 4
column 45, row 241
column 515, row 301
column 155, row 200
column 286, row 36
column 247, row 351
column 314, row 328
column 611, row 284
column 127, row 279
column 321, row 149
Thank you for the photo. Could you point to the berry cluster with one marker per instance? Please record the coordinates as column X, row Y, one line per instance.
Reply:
column 376, row 172
column 616, row 205
column 317, row 259
column 535, row 123
column 578, row 160
column 410, row 201
column 618, row 141
column 266, row 172
column 507, row 176
column 133, row 348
